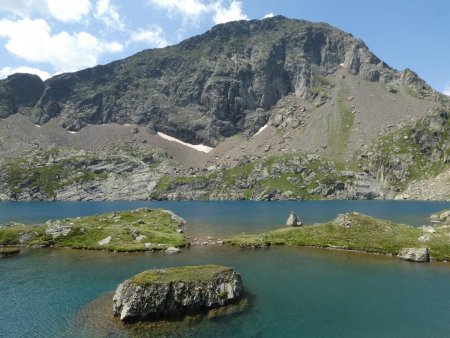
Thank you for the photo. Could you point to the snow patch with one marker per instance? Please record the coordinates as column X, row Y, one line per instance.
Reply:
column 72, row 132
column 342, row 64
column 127, row 125
column 198, row 147
column 37, row 125
column 261, row 129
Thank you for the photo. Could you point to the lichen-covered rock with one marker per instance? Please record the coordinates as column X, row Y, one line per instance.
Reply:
column 157, row 294
column 414, row 254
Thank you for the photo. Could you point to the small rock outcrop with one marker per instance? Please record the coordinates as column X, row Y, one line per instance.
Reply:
column 414, row 254
column 442, row 217
column 293, row 220
column 159, row 294
column 57, row 229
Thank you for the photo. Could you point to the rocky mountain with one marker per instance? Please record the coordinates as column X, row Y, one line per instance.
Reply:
column 258, row 92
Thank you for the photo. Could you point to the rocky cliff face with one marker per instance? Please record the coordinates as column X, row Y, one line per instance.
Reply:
column 416, row 151
column 177, row 291
column 208, row 87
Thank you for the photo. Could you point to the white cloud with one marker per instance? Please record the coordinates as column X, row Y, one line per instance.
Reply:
column 192, row 10
column 232, row 13
column 447, row 90
column 153, row 37
column 189, row 9
column 5, row 71
column 22, row 8
column 61, row 10
column 108, row 13
column 32, row 40
column 269, row 15
column 69, row 10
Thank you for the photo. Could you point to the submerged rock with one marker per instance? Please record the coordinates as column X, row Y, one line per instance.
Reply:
column 159, row 294
column 293, row 220
column 414, row 254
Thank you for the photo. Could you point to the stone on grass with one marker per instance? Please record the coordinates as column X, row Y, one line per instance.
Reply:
column 105, row 241
column 414, row 254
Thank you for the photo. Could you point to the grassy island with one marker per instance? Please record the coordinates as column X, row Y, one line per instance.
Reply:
column 135, row 230
column 200, row 273
column 354, row 231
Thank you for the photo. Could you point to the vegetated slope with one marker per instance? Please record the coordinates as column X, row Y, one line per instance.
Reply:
column 317, row 89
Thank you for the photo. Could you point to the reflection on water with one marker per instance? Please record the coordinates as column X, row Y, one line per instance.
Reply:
column 96, row 320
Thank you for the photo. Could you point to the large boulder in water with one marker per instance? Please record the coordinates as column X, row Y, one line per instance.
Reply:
column 414, row 254
column 293, row 220
column 159, row 294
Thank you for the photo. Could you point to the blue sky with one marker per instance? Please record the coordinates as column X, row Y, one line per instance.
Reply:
column 48, row 37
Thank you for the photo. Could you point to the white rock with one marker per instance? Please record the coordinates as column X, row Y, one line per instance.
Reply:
column 105, row 241
column 140, row 238
column 428, row 228
column 414, row 254
column 172, row 249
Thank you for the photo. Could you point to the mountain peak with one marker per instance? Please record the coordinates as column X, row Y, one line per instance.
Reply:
column 221, row 83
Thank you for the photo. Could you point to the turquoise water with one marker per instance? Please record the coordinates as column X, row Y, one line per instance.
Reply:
column 294, row 292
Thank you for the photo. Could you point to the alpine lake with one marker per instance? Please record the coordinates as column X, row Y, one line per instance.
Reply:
column 291, row 291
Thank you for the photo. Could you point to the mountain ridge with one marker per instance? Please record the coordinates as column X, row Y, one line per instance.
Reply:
column 292, row 110
column 219, row 79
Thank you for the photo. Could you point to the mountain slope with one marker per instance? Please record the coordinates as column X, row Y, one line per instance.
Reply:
column 211, row 86
column 249, row 89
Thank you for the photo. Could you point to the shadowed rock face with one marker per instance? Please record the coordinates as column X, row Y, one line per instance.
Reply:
column 19, row 93
column 162, row 297
column 208, row 87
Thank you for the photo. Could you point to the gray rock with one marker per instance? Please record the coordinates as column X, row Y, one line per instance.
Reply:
column 424, row 238
column 57, row 229
column 414, row 254
column 168, row 298
column 428, row 229
column 140, row 238
column 343, row 220
column 26, row 237
column 293, row 220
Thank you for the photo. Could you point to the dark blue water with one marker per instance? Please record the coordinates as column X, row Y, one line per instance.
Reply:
column 229, row 217
column 295, row 292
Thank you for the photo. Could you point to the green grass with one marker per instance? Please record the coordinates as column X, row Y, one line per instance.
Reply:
column 200, row 273
column 339, row 131
column 85, row 232
column 366, row 234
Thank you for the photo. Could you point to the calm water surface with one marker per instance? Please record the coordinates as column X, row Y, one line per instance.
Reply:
column 294, row 292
